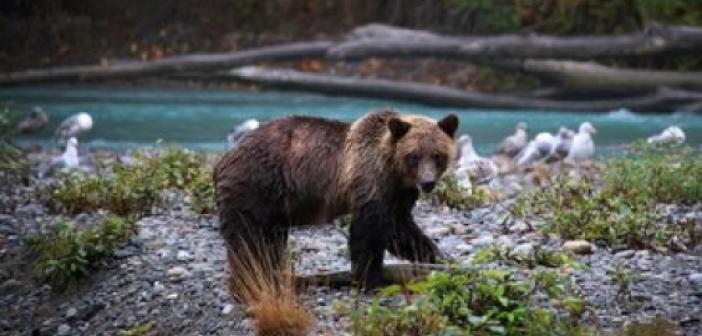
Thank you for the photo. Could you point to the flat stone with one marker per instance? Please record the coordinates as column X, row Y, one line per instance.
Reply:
column 178, row 272
column 696, row 278
column 183, row 256
column 483, row 241
column 578, row 246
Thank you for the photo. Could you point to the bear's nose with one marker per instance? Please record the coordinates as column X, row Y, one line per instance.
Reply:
column 427, row 186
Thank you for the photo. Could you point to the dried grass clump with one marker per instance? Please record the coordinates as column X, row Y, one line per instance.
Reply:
column 268, row 292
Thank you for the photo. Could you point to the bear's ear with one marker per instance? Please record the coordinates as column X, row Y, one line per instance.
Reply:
column 449, row 124
column 398, row 128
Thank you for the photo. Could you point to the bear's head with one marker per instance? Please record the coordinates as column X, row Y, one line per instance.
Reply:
column 423, row 148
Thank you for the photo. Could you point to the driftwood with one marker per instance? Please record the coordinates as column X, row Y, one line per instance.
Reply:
column 387, row 41
column 594, row 77
column 393, row 273
column 194, row 62
column 447, row 96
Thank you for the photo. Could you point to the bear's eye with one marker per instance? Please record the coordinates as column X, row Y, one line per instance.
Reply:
column 412, row 160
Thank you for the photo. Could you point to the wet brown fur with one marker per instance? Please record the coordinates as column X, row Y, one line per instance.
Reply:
column 304, row 170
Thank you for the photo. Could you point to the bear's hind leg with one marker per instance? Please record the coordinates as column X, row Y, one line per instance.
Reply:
column 255, row 237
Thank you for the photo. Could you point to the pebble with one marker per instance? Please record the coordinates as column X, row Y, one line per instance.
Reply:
column 227, row 309
column 483, row 241
column 63, row 329
column 183, row 256
column 696, row 278
column 172, row 296
column 71, row 313
column 578, row 246
column 178, row 272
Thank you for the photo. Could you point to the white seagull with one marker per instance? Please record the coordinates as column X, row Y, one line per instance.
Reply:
column 68, row 160
column 471, row 166
column 238, row 132
column 672, row 134
column 539, row 148
column 563, row 142
column 515, row 143
column 74, row 126
column 583, row 147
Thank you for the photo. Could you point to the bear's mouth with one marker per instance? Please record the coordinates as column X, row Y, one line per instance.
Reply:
column 427, row 187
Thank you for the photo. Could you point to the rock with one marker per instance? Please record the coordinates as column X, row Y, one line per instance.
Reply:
column 178, row 272
column 505, row 241
column 438, row 231
column 227, row 309
column 696, row 278
column 524, row 250
column 483, row 241
column 159, row 287
column 183, row 256
column 625, row 254
column 578, row 246
column 519, row 226
column 172, row 296
column 10, row 285
column 63, row 329
column 71, row 313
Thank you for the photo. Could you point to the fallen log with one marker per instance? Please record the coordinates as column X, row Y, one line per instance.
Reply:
column 659, row 101
column 392, row 273
column 387, row 41
column 194, row 62
column 593, row 77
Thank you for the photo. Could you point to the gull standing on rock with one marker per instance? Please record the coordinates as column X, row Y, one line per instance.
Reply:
column 515, row 143
column 563, row 142
column 539, row 148
column 238, row 132
column 672, row 134
column 74, row 126
column 68, row 160
column 583, row 147
column 470, row 166
column 35, row 121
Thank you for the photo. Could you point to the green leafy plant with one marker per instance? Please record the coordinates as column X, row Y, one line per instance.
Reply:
column 133, row 190
column 538, row 256
column 448, row 192
column 66, row 252
column 621, row 210
column 488, row 302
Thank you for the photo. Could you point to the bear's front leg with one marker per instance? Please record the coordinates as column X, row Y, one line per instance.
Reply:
column 367, row 243
column 406, row 240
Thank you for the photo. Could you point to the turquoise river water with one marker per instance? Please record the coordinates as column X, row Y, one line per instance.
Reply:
column 201, row 118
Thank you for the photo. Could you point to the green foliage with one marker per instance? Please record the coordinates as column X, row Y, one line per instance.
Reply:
column 133, row 190
column 664, row 173
column 449, row 193
column 490, row 302
column 14, row 167
column 66, row 253
column 489, row 16
column 622, row 212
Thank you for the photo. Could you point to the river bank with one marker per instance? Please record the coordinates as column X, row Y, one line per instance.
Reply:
column 171, row 278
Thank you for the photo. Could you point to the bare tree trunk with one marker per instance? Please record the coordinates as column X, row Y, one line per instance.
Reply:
column 387, row 41
column 194, row 62
column 594, row 77
column 447, row 96
column 393, row 273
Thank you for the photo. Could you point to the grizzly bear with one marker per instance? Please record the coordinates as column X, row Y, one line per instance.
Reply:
column 306, row 170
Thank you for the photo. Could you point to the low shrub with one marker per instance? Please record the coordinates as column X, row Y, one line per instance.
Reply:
column 449, row 193
column 538, row 256
column 622, row 211
column 66, row 252
column 488, row 302
column 133, row 190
